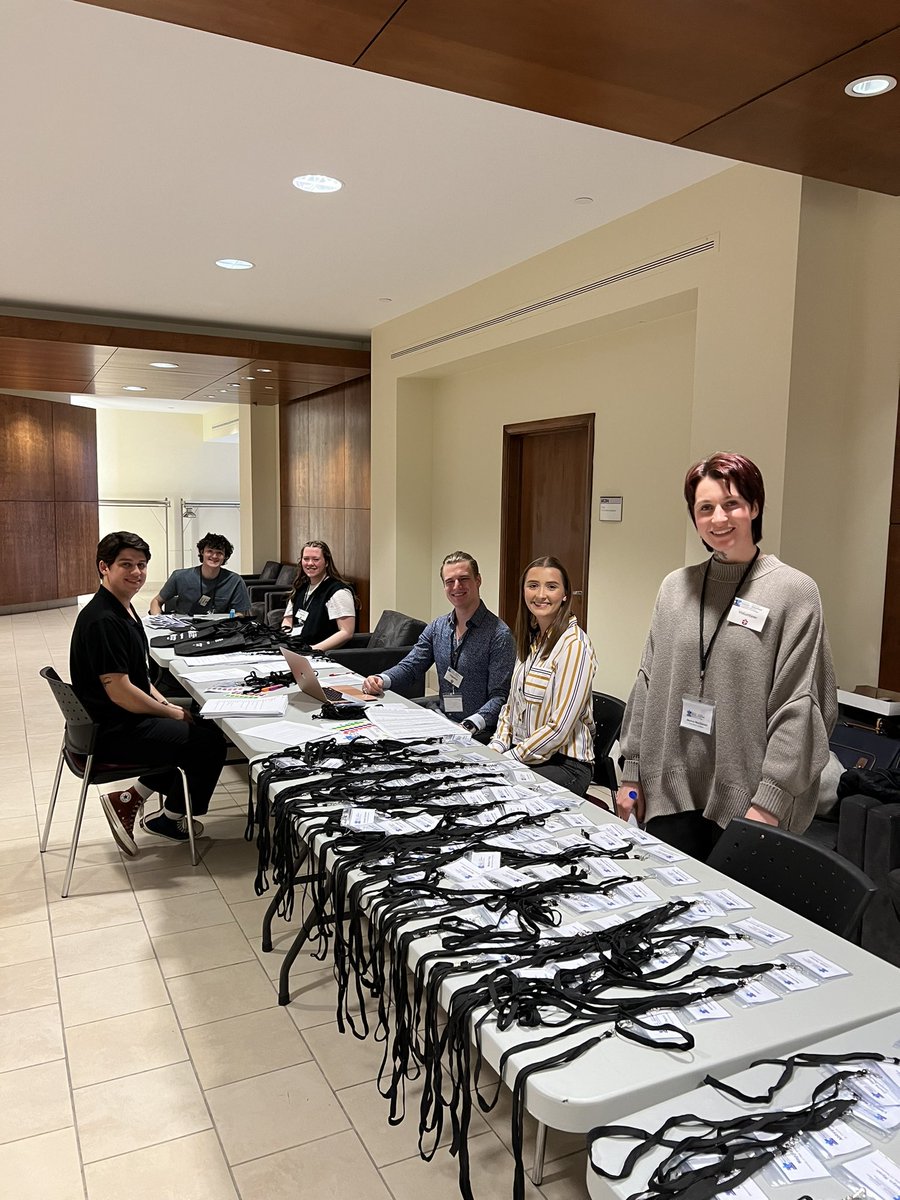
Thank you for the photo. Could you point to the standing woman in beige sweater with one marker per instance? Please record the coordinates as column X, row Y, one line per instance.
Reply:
column 735, row 697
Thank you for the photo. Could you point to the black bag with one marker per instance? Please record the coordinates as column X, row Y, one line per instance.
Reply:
column 862, row 749
column 340, row 710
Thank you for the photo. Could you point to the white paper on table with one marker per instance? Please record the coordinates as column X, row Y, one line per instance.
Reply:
column 285, row 733
column 398, row 721
column 246, row 706
column 211, row 660
column 207, row 676
column 344, row 679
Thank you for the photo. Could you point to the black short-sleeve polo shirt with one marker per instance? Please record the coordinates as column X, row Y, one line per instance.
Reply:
column 106, row 640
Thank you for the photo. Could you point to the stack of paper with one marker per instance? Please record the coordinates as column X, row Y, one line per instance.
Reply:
column 273, row 704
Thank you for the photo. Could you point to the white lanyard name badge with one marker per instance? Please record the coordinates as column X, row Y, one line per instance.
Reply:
column 453, row 704
column 698, row 714
column 747, row 614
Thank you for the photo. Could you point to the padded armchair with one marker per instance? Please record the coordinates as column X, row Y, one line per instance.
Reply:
column 268, row 574
column 389, row 642
column 283, row 582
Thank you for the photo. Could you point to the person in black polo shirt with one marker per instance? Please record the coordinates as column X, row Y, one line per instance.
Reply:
column 109, row 666
column 321, row 609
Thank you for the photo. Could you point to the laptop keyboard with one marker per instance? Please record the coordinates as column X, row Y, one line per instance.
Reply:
column 332, row 694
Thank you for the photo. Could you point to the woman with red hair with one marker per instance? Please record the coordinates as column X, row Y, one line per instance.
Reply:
column 735, row 697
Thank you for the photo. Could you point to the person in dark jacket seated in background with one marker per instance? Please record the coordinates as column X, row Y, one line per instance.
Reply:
column 208, row 588
column 471, row 649
column 109, row 666
column 321, row 608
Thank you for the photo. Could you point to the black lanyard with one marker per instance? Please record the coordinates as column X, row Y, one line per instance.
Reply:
column 706, row 654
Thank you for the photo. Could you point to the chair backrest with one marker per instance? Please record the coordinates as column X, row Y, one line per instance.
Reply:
column 81, row 729
column 809, row 879
column 269, row 573
column 608, row 714
column 395, row 629
column 284, row 576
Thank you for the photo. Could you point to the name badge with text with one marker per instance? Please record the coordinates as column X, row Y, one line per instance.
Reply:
column 697, row 714
column 453, row 677
column 746, row 613
column 452, row 703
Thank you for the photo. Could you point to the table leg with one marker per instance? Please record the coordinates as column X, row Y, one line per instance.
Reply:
column 540, row 1146
column 266, row 935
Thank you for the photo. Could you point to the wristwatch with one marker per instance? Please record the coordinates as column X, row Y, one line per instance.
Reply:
column 469, row 725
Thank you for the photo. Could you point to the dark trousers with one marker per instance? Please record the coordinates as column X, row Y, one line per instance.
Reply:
column 691, row 832
column 198, row 748
column 572, row 773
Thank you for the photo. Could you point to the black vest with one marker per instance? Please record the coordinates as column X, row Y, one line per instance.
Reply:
column 318, row 624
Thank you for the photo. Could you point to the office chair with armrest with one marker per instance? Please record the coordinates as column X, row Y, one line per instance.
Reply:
column 283, row 582
column 77, row 752
column 268, row 574
column 389, row 642
column 608, row 714
column 809, row 879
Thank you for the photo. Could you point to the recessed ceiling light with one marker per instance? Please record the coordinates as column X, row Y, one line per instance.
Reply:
column 385, row 299
column 209, row 397
column 234, row 385
column 166, row 366
column 222, row 391
column 317, row 183
column 133, row 387
column 234, row 264
column 248, row 377
column 584, row 200
column 871, row 85
column 269, row 388
column 264, row 370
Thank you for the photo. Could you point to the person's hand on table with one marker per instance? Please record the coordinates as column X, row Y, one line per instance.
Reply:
column 372, row 686
column 630, row 799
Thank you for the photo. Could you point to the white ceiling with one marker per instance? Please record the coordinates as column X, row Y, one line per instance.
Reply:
column 135, row 153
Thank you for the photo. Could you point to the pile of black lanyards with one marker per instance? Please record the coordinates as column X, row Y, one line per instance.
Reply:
column 376, row 892
column 717, row 1156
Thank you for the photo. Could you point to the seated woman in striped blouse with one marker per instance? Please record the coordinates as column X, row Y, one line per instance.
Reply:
column 548, row 722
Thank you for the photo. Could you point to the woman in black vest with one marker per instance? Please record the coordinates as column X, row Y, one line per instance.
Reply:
column 321, row 608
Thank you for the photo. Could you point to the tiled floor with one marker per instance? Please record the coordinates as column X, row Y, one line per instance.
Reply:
column 142, row 1050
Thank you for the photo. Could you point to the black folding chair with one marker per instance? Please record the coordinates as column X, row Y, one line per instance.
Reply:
column 77, row 752
column 608, row 714
column 809, row 879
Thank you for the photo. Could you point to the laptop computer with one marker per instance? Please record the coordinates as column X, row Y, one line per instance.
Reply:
column 306, row 679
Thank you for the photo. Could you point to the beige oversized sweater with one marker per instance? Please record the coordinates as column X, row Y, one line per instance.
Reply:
column 774, row 691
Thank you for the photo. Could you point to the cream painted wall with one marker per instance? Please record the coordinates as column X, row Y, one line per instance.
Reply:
column 259, row 484
column 843, row 412
column 154, row 455
column 639, row 382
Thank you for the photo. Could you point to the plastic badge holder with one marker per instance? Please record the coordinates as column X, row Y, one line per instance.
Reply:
column 817, row 966
column 760, row 932
column 706, row 1010
column 753, row 993
column 789, row 978
column 875, row 1172
column 838, row 1140
column 673, row 876
column 796, row 1164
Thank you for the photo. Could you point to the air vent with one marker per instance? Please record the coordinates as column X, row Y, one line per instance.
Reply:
column 701, row 248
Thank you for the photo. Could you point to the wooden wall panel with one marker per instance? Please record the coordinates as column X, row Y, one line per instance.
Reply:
column 326, row 460
column 74, row 453
column 28, row 537
column 26, row 449
column 889, row 672
column 77, row 537
column 358, row 437
column 325, row 480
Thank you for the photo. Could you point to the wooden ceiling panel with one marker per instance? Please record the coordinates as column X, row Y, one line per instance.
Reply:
column 338, row 32
column 812, row 127
column 645, row 67
column 24, row 359
column 196, row 364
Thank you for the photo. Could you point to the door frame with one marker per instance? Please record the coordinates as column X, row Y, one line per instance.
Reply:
column 511, row 483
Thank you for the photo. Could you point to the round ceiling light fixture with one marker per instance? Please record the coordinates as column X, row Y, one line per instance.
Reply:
column 871, row 85
column 318, row 184
column 133, row 387
column 234, row 264
column 165, row 366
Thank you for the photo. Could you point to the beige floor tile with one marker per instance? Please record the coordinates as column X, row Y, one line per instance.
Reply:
column 282, row 940
column 79, row 914
column 21, row 876
column 275, row 1177
column 18, row 850
column 189, row 1168
column 17, row 802
column 15, row 828
column 89, row 879
column 29, row 1037
column 34, row 1100
column 345, row 1060
column 313, row 998
column 139, row 1110
column 196, row 911
column 566, row 1179
column 21, row 908
column 274, row 1112
column 27, row 985
column 103, row 1050
column 223, row 992
column 112, row 992
column 24, row 943
column 240, row 1047
column 98, row 948
column 201, row 949
column 177, row 879
column 46, row 1167
column 368, row 1112
column 491, row 1171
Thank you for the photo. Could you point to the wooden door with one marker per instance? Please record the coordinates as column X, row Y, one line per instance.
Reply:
column 546, row 505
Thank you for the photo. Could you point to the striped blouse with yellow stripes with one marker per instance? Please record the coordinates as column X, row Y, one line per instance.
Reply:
column 550, row 709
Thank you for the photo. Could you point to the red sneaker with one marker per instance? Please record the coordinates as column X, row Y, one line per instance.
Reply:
column 121, row 809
